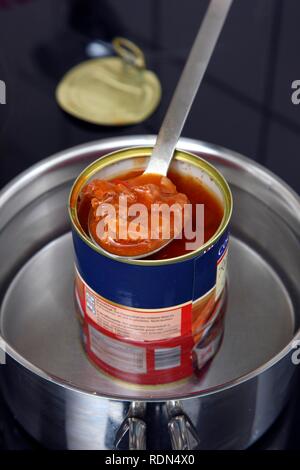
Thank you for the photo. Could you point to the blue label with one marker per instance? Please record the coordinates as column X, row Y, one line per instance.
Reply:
column 150, row 287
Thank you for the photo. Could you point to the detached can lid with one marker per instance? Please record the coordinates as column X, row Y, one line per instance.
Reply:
column 113, row 91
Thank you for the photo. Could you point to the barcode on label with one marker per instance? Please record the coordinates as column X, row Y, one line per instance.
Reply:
column 119, row 355
column 167, row 358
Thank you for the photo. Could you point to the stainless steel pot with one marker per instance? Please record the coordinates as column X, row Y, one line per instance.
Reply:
column 64, row 402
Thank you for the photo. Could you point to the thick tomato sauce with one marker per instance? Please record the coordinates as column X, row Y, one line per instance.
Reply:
column 197, row 193
column 185, row 189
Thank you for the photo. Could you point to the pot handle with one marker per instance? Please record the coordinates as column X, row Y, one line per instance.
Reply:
column 181, row 429
column 134, row 427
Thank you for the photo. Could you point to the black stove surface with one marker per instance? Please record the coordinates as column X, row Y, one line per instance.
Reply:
column 12, row 435
column 244, row 103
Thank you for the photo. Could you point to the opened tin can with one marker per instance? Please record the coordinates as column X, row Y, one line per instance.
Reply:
column 148, row 321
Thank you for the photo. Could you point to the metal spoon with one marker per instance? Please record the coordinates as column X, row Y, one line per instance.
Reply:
column 113, row 255
column 184, row 95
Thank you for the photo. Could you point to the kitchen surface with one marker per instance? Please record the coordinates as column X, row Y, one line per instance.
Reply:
column 244, row 104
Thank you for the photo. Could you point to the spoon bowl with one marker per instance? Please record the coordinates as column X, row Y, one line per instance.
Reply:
column 113, row 255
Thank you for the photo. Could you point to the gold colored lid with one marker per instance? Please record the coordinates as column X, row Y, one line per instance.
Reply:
column 112, row 91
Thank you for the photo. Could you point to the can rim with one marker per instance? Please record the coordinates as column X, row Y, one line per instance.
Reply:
column 145, row 151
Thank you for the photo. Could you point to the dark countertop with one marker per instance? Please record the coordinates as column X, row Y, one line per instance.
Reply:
column 244, row 103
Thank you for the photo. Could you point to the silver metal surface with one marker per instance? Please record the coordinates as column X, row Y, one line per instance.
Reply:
column 188, row 85
column 182, row 432
column 134, row 426
column 179, row 433
column 61, row 399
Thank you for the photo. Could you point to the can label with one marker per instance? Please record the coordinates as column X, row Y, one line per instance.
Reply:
column 117, row 354
column 147, row 346
column 132, row 324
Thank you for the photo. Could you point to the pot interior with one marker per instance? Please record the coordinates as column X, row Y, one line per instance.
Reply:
column 36, row 273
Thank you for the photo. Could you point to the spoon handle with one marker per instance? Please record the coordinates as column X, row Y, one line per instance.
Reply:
column 187, row 86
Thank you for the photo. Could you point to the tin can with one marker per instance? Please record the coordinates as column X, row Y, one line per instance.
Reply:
column 145, row 321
